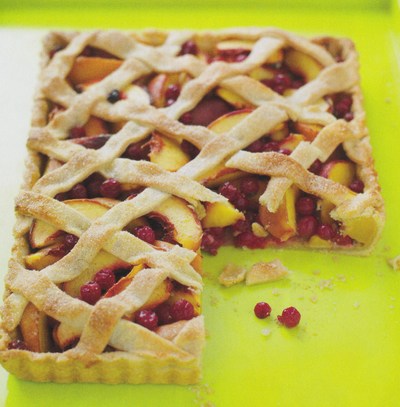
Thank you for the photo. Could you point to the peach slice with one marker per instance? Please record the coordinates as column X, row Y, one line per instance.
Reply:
column 186, row 293
column 363, row 229
column 116, row 127
column 246, row 45
column 219, row 214
column 121, row 284
column 95, row 127
column 308, row 130
column 158, row 86
column 280, row 132
column 317, row 243
column 302, row 64
column 262, row 73
column 137, row 93
column 167, row 153
column 44, row 257
column 180, row 221
column 233, row 99
column 223, row 124
column 220, row 174
column 34, row 329
column 42, row 233
column 197, row 262
column 65, row 336
column 291, row 141
column 340, row 171
column 102, row 260
column 228, row 121
column 276, row 57
column 159, row 295
column 282, row 223
column 89, row 69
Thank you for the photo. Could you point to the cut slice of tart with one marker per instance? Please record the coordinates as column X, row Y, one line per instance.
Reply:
column 148, row 148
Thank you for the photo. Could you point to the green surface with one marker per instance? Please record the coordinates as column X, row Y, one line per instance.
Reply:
column 346, row 351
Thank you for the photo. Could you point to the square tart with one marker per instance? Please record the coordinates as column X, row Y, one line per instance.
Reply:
column 147, row 148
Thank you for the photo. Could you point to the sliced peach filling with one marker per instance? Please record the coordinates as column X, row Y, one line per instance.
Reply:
column 300, row 217
column 107, row 275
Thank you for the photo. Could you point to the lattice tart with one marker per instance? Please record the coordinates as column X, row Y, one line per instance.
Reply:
column 145, row 149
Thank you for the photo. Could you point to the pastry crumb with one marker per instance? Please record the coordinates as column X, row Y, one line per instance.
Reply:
column 276, row 292
column 356, row 305
column 258, row 230
column 262, row 272
column 314, row 299
column 265, row 272
column 266, row 331
column 201, row 392
column 341, row 278
column 232, row 274
column 214, row 300
column 316, row 272
column 395, row 263
column 326, row 284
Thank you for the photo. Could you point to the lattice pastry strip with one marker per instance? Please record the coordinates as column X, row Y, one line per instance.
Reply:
column 216, row 114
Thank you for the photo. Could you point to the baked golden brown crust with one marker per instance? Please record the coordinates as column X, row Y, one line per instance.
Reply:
column 111, row 346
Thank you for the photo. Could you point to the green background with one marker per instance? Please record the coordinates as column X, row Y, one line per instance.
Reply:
column 346, row 351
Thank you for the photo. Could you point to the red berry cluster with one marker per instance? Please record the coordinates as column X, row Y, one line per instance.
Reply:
column 145, row 233
column 172, row 93
column 283, row 80
column 212, row 240
column 189, row 47
column 165, row 314
column 93, row 187
column 92, row 291
column 69, row 241
column 309, row 225
column 239, row 195
column 264, row 144
column 138, row 151
column 290, row 316
column 342, row 104
column 230, row 55
column 17, row 344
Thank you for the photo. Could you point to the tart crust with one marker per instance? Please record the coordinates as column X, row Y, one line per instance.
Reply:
column 170, row 355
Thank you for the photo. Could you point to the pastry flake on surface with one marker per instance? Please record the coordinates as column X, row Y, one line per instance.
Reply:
column 265, row 272
column 148, row 149
column 395, row 263
column 232, row 274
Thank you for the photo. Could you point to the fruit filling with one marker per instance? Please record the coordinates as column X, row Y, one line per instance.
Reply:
column 107, row 276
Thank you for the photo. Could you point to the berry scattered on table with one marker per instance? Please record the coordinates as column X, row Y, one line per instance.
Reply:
column 262, row 310
column 290, row 317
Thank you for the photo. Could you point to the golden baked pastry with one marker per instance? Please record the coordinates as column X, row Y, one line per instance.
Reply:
column 146, row 147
